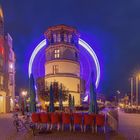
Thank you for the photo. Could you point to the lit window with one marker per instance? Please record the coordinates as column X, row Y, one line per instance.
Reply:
column 11, row 66
column 56, row 53
column 1, row 80
column 55, row 69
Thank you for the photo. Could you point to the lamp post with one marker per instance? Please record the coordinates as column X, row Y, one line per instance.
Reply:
column 131, row 84
column 24, row 94
column 118, row 93
column 137, row 89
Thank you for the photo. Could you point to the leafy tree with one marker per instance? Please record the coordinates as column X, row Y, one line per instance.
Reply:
column 44, row 91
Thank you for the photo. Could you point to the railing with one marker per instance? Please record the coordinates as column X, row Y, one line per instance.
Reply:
column 112, row 119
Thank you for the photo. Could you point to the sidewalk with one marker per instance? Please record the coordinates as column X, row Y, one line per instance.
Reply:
column 8, row 132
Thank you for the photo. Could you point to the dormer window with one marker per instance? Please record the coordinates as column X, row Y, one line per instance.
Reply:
column 57, row 53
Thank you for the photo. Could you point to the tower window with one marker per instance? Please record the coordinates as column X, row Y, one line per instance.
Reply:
column 59, row 38
column 69, row 38
column 57, row 53
column 55, row 69
column 54, row 37
column 65, row 37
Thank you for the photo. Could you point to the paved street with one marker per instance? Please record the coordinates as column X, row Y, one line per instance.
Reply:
column 8, row 132
column 129, row 125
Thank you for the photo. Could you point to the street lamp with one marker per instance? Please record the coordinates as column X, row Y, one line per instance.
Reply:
column 132, row 88
column 24, row 94
column 118, row 93
column 137, row 89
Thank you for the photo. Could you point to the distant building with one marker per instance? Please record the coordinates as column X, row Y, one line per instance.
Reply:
column 7, row 70
column 62, row 60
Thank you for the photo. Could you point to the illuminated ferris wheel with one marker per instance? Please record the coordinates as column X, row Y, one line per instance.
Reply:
column 88, row 62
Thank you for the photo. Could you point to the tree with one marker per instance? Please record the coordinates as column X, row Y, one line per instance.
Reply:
column 32, row 94
column 73, row 102
column 70, row 101
column 44, row 91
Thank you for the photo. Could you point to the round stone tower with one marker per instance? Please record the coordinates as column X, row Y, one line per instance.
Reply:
column 62, row 59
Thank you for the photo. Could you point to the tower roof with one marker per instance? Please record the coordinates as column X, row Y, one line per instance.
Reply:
column 61, row 27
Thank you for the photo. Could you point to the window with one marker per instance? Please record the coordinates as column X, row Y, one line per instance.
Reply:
column 57, row 53
column 55, row 69
column 1, row 80
column 11, row 67
column 54, row 37
column 11, row 79
column 69, row 38
column 59, row 38
column 10, row 55
column 65, row 37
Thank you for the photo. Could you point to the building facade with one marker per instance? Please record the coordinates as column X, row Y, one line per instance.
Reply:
column 7, row 70
column 62, row 60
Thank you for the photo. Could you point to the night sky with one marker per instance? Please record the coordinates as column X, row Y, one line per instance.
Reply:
column 111, row 27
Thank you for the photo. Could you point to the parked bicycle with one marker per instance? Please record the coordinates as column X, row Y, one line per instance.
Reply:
column 22, row 124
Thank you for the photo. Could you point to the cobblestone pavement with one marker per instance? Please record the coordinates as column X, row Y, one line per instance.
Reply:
column 8, row 132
